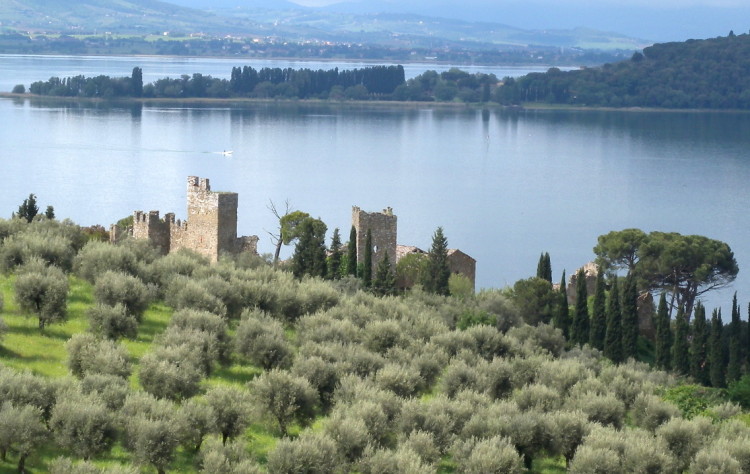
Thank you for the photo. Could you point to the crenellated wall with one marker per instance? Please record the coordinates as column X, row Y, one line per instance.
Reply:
column 383, row 227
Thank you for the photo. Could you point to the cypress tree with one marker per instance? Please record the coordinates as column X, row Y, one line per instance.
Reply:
column 310, row 253
column 734, row 367
column 562, row 315
column 599, row 318
column 663, row 335
column 544, row 267
column 385, row 279
column 630, row 318
column 698, row 346
column 680, row 356
column 334, row 261
column 437, row 275
column 367, row 261
column 581, row 326
column 716, row 352
column 351, row 254
column 613, row 336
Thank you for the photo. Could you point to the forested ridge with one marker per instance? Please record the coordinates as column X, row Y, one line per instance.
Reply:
column 114, row 358
column 707, row 74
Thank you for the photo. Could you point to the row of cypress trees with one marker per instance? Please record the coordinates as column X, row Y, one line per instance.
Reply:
column 711, row 353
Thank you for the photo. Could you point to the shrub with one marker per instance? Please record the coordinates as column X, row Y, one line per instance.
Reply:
column 261, row 339
column 198, row 419
column 739, row 391
column 385, row 461
column 21, row 430
column 285, row 397
column 590, row 460
column 112, row 288
column 49, row 247
column 321, row 375
column 692, row 400
column 713, row 461
column 185, row 293
column 459, row 376
column 492, row 455
column 231, row 458
column 543, row 338
column 96, row 258
column 650, row 412
column 312, row 453
column 88, row 354
column 737, row 447
column 684, row 438
column 401, row 380
column 112, row 322
column 496, row 378
column 231, row 407
column 350, row 434
column 379, row 336
column 489, row 342
column 171, row 372
column 42, row 291
column 111, row 389
column 495, row 302
column 213, row 326
column 25, row 388
column 562, row 374
column 83, row 425
column 154, row 442
column 604, row 409
column 570, row 429
column 538, row 397
column 422, row 443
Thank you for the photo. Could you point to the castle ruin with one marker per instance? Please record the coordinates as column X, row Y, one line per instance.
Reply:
column 210, row 228
column 382, row 226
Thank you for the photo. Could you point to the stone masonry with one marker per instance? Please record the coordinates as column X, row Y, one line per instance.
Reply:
column 382, row 225
column 210, row 228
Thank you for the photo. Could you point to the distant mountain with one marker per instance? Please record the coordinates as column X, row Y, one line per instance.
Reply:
column 283, row 19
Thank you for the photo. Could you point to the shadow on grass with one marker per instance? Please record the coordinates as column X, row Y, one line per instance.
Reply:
column 50, row 332
column 6, row 353
column 236, row 373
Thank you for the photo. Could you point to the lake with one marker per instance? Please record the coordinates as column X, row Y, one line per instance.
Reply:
column 504, row 185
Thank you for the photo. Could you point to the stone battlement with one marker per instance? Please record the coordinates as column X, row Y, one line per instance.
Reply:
column 210, row 228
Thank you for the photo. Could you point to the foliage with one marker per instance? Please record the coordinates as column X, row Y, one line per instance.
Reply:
column 285, row 397
column 692, row 74
column 535, row 299
column 261, row 339
column 42, row 291
column 739, row 391
column 437, row 273
column 231, row 407
column 310, row 252
column 384, row 282
column 83, row 424
column 28, row 209
column 544, row 267
column 112, row 288
column 460, row 286
column 112, row 322
column 88, row 354
column 683, row 266
column 580, row 329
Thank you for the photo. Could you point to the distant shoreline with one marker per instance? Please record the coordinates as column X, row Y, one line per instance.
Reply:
column 246, row 101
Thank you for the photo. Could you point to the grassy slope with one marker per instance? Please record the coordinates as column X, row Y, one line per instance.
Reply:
column 25, row 347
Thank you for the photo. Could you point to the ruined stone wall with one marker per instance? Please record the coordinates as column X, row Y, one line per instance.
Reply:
column 211, row 225
column 383, row 227
column 459, row 262
column 150, row 226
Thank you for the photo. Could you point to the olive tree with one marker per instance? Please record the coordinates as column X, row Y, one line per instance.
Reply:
column 112, row 322
column 88, row 354
column 83, row 425
column 285, row 397
column 231, row 407
column 21, row 430
column 261, row 340
column 112, row 288
column 42, row 291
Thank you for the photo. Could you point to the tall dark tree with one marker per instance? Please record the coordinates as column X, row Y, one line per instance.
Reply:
column 663, row 335
column 437, row 275
column 310, row 253
column 629, row 306
column 334, row 260
column 351, row 254
column 562, row 315
column 699, row 346
column 49, row 213
column 613, row 336
column 734, row 366
column 385, row 278
column 680, row 351
column 136, row 81
column 367, row 261
column 581, row 323
column 544, row 267
column 599, row 316
column 716, row 352
column 28, row 209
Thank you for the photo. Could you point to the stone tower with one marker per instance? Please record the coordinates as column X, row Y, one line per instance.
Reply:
column 382, row 225
column 211, row 225
column 150, row 226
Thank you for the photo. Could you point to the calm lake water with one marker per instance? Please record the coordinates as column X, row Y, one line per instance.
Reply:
column 505, row 185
